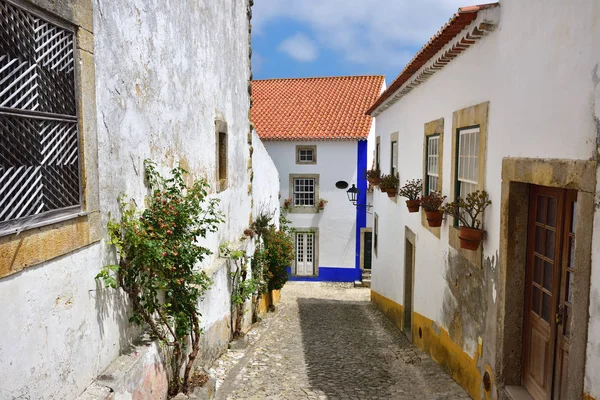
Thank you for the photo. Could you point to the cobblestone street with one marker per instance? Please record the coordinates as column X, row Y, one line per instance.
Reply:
column 327, row 341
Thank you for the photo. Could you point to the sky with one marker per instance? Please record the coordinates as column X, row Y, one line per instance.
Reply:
column 304, row 38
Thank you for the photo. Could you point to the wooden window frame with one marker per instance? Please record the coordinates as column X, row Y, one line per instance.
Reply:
column 221, row 155
column 470, row 117
column 394, row 165
column 312, row 148
column 433, row 128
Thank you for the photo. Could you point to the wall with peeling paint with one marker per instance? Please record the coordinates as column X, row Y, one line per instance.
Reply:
column 164, row 72
column 540, row 80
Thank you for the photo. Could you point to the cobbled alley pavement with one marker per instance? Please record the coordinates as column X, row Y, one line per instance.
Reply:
column 327, row 341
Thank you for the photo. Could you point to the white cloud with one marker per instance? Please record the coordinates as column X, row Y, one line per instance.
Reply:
column 370, row 32
column 299, row 47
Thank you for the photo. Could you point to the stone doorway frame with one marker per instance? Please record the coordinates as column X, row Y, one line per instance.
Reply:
column 517, row 176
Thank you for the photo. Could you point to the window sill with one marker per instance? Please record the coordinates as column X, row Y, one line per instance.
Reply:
column 304, row 210
column 37, row 245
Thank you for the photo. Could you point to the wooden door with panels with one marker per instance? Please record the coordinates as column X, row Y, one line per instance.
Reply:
column 548, row 279
column 305, row 253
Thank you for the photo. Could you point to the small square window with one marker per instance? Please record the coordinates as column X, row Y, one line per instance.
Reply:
column 304, row 192
column 306, row 154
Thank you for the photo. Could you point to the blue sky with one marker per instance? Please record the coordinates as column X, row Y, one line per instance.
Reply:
column 301, row 38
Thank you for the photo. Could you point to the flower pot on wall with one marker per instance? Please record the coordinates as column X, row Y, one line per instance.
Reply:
column 391, row 192
column 470, row 238
column 374, row 181
column 434, row 218
column 413, row 205
column 383, row 190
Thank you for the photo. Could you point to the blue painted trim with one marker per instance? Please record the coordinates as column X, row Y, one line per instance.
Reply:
column 361, row 184
column 329, row 274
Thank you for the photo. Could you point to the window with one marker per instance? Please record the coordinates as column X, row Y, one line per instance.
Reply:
column 304, row 192
column 306, row 154
column 305, row 253
column 222, row 161
column 394, row 158
column 467, row 161
column 39, row 138
column 375, row 232
column 377, row 154
column 431, row 180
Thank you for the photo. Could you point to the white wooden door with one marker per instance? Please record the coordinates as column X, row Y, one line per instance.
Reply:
column 305, row 253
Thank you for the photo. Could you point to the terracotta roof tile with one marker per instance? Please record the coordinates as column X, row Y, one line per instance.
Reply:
column 455, row 25
column 331, row 108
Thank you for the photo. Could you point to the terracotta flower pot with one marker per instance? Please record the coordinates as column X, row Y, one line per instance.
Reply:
column 434, row 218
column 392, row 192
column 383, row 190
column 413, row 205
column 374, row 181
column 470, row 238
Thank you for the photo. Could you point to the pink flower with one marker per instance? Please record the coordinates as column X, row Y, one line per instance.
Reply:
column 164, row 254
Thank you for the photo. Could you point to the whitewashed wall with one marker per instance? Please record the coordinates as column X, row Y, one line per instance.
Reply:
column 265, row 186
column 542, row 83
column 336, row 161
column 164, row 71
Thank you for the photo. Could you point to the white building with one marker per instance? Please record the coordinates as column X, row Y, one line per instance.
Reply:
column 519, row 81
column 108, row 84
column 317, row 133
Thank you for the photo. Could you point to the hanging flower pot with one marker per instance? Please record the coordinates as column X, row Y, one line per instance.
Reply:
column 373, row 176
column 413, row 205
column 383, row 190
column 389, row 185
column 434, row 218
column 391, row 192
column 470, row 238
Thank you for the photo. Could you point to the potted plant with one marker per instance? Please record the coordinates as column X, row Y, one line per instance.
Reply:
column 373, row 176
column 389, row 185
column 432, row 204
column 412, row 191
column 468, row 212
column 322, row 204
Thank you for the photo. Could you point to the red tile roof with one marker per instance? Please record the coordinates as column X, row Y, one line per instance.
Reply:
column 455, row 25
column 330, row 108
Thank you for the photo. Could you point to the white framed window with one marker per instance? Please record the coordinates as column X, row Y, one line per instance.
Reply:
column 304, row 192
column 467, row 161
column 432, row 164
column 306, row 154
column 394, row 158
column 377, row 153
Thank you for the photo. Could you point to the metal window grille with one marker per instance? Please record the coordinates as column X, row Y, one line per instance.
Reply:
column 304, row 191
column 468, row 161
column 305, row 155
column 39, row 144
column 394, row 158
column 432, row 163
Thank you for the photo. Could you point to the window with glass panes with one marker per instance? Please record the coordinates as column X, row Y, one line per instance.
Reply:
column 432, row 164
column 304, row 191
column 394, row 158
column 467, row 175
column 305, row 155
column 377, row 154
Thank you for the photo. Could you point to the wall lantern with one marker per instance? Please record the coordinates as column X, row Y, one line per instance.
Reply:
column 353, row 193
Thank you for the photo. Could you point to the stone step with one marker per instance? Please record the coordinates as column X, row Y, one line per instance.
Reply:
column 366, row 283
column 358, row 284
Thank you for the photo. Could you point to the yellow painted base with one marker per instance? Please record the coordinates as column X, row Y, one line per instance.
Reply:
column 439, row 346
column 268, row 299
column 587, row 396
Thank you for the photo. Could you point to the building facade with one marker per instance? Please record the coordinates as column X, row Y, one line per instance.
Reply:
column 321, row 147
column 495, row 102
column 88, row 91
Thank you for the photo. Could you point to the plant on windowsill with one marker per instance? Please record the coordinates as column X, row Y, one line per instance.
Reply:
column 389, row 185
column 469, row 212
column 322, row 203
column 287, row 205
column 431, row 205
column 412, row 191
column 373, row 176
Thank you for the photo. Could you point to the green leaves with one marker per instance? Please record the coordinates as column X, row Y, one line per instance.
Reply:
column 159, row 254
column 469, row 211
column 411, row 189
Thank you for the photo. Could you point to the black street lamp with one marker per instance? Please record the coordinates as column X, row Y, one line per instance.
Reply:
column 353, row 193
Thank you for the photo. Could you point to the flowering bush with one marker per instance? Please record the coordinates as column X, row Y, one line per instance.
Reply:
column 158, row 256
column 279, row 254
